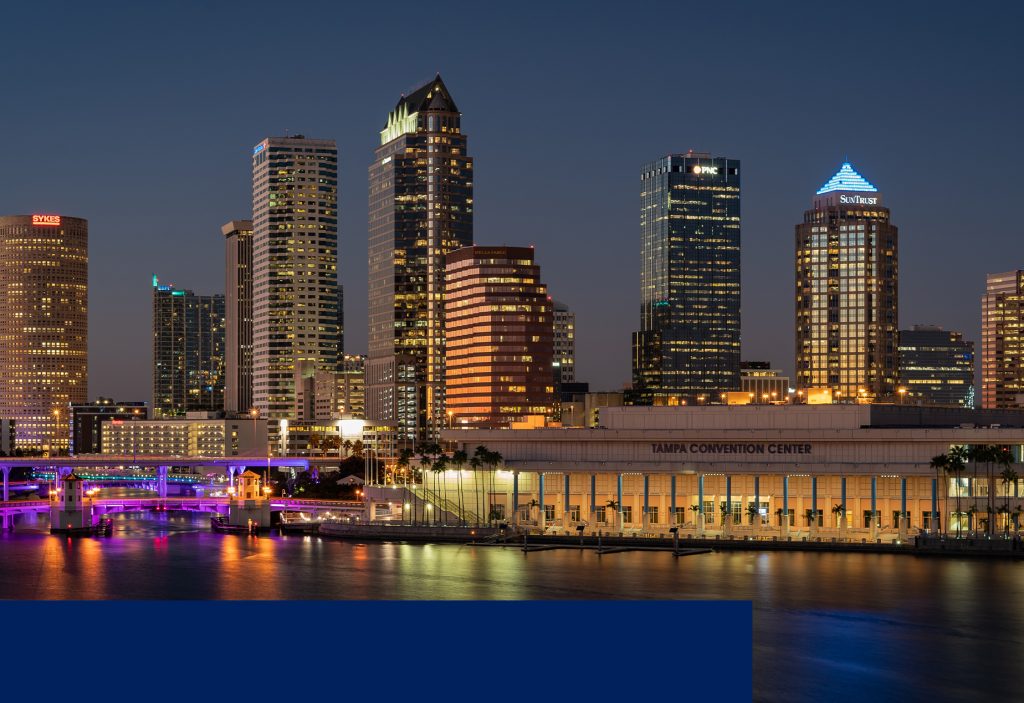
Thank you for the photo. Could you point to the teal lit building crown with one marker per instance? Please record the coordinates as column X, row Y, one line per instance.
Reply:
column 847, row 179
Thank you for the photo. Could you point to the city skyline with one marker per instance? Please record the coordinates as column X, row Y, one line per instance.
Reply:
column 561, row 210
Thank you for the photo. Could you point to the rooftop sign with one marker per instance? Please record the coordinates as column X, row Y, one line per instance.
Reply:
column 46, row 220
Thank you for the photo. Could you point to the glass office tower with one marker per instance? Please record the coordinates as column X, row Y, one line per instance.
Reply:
column 936, row 367
column 1002, row 341
column 421, row 209
column 847, row 255
column 688, row 346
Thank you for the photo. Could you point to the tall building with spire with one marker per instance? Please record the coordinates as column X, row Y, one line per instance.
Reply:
column 238, row 315
column 421, row 209
column 847, row 315
column 295, row 290
column 688, row 345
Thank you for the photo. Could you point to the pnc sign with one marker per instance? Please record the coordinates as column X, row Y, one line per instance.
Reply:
column 706, row 170
column 46, row 220
column 857, row 200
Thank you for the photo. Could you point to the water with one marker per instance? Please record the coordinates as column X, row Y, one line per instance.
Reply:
column 835, row 626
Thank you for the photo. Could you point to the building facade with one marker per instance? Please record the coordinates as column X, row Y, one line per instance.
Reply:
column 296, row 298
column 237, row 315
column 1002, row 341
column 87, row 421
column 936, row 367
column 44, row 326
column 421, row 209
column 188, row 351
column 565, row 344
column 499, row 338
column 847, row 314
column 762, row 383
column 689, row 339
column 323, row 395
column 198, row 434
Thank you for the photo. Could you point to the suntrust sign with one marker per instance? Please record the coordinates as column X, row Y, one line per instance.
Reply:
column 857, row 200
column 730, row 448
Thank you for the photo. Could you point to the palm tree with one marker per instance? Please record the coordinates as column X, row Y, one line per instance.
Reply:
column 403, row 464
column 809, row 516
column 839, row 510
column 493, row 460
column 940, row 462
column 438, row 468
column 347, row 446
column 458, row 460
column 754, row 512
column 726, row 512
column 955, row 465
column 778, row 514
column 698, row 513
column 1008, row 476
column 614, row 505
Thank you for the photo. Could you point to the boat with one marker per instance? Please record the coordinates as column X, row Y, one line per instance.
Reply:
column 220, row 524
column 104, row 527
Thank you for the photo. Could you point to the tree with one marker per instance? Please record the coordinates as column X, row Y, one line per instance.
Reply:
column 614, row 506
column 698, row 512
column 779, row 513
column 955, row 465
column 347, row 446
column 940, row 463
column 754, row 512
column 839, row 510
column 726, row 512
column 357, row 447
column 810, row 516
column 1008, row 476
column 458, row 460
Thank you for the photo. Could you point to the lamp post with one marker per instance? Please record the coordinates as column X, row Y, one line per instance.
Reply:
column 56, row 428
column 903, row 393
column 135, row 417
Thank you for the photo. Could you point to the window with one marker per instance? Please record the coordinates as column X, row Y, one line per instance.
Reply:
column 599, row 514
column 549, row 512
column 498, row 511
column 681, row 516
column 627, row 514
column 574, row 513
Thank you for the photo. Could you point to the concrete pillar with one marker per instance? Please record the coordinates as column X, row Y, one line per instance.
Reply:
column 842, row 501
column 727, row 518
column 935, row 507
column 7, row 475
column 672, row 503
column 565, row 506
column 785, row 505
column 647, row 502
column 699, row 519
column 515, row 497
column 231, row 476
column 757, row 502
column 593, row 498
column 161, row 481
column 540, row 511
column 619, row 508
column 812, row 528
column 874, row 507
column 904, row 521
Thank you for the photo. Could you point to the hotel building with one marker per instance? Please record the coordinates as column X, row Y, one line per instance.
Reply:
column 188, row 351
column 847, row 254
column 846, row 471
column 421, row 209
column 936, row 367
column 87, row 421
column 238, row 315
column 296, row 315
column 197, row 434
column 565, row 344
column 44, row 353
column 1002, row 341
column 688, row 345
column 499, row 338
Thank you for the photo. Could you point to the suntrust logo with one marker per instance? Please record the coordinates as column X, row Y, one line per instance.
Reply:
column 857, row 200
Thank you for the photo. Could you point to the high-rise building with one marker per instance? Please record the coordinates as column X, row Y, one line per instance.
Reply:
column 499, row 338
column 847, row 254
column 1002, row 341
column 44, row 353
column 352, row 386
column 762, row 383
column 421, row 209
column 295, row 266
column 565, row 344
column 238, row 316
column 87, row 421
column 188, row 351
column 325, row 395
column 688, row 345
column 936, row 367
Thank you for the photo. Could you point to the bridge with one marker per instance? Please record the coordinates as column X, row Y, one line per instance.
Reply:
column 107, row 506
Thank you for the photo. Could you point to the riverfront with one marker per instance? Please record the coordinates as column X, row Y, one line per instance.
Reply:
column 822, row 622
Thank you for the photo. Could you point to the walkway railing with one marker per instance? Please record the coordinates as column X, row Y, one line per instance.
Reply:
column 461, row 512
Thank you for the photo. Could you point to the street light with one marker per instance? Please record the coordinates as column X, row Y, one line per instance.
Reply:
column 903, row 392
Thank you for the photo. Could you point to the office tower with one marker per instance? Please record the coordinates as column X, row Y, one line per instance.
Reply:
column 565, row 344
column 238, row 316
column 322, row 395
column 188, row 351
column 762, row 383
column 421, row 209
column 499, row 332
column 44, row 354
column 688, row 345
column 352, row 386
column 936, row 367
column 87, row 421
column 295, row 266
column 1002, row 341
column 847, row 255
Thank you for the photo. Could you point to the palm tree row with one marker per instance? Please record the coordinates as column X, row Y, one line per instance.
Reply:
column 433, row 459
column 954, row 463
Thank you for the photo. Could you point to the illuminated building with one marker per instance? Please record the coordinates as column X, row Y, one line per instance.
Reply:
column 936, row 367
column 499, row 338
column 565, row 344
column 296, row 316
column 421, row 209
column 323, row 395
column 87, row 421
column 238, row 316
column 762, row 383
column 847, row 255
column 688, row 345
column 188, row 351
column 44, row 354
column 1002, row 341
column 197, row 434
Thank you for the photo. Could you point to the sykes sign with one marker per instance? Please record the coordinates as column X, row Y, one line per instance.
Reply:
column 730, row 448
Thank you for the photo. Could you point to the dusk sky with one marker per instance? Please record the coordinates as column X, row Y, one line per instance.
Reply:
column 142, row 120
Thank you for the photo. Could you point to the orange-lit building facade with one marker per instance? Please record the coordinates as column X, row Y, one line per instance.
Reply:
column 499, row 338
column 1002, row 341
column 44, row 353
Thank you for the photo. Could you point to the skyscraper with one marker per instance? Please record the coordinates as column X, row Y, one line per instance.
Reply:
column 238, row 315
column 936, row 367
column 421, row 209
column 188, row 351
column 565, row 344
column 44, row 353
column 499, row 338
column 1002, row 341
column 295, row 266
column 847, row 255
column 688, row 346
